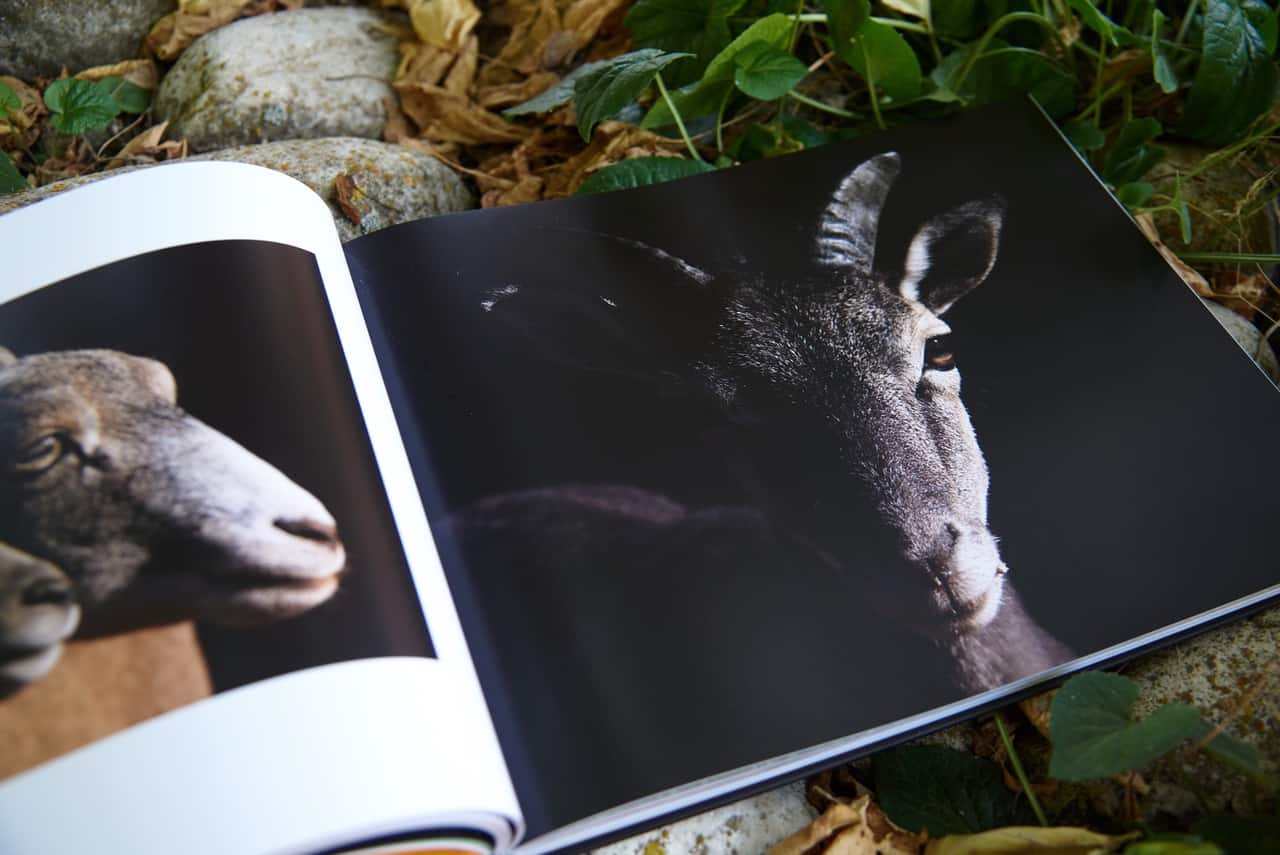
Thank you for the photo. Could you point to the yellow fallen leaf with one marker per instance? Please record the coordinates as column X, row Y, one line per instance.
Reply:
column 175, row 32
column 1029, row 840
column 443, row 23
column 446, row 116
column 139, row 72
column 149, row 147
column 857, row 828
column 1188, row 274
column 611, row 142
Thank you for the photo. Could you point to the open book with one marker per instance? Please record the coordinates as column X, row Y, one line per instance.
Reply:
column 526, row 528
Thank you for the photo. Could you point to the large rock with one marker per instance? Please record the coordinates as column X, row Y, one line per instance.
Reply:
column 39, row 37
column 303, row 74
column 392, row 184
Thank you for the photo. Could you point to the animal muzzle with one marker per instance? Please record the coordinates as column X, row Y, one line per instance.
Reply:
column 38, row 612
column 967, row 577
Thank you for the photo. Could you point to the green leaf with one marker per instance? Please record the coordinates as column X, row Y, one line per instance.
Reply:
column 640, row 171
column 702, row 99
column 844, row 19
column 1135, row 194
column 772, row 30
column 1161, row 68
column 9, row 99
column 603, row 91
column 79, row 105
column 945, row 791
column 1235, row 82
column 129, row 97
column 1184, row 220
column 700, row 27
column 914, row 8
column 1005, row 71
column 1252, row 835
column 11, row 181
column 1085, row 136
column 766, row 73
column 557, row 96
column 1263, row 18
column 1235, row 753
column 881, row 55
column 1173, row 844
column 1132, row 155
column 1093, row 732
column 957, row 19
column 1095, row 20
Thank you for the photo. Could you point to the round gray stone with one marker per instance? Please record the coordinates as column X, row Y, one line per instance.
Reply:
column 1248, row 337
column 39, row 37
column 303, row 74
column 395, row 184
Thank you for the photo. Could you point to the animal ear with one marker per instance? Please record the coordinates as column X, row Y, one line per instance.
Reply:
column 6, row 357
column 155, row 376
column 847, row 230
column 952, row 254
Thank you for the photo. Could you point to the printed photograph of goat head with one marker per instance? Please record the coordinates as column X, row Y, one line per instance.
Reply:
column 166, row 445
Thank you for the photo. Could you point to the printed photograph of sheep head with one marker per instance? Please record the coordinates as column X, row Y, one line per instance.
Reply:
column 188, row 498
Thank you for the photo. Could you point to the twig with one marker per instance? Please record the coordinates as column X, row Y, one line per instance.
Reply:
column 1020, row 773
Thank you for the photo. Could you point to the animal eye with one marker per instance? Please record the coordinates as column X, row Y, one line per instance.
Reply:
column 938, row 355
column 42, row 453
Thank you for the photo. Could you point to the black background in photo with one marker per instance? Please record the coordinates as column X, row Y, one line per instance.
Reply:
column 1115, row 415
column 245, row 328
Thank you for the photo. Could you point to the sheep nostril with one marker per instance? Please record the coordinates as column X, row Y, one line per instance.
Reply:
column 50, row 592
column 322, row 531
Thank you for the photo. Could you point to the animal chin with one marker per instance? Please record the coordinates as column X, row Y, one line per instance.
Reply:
column 29, row 667
column 249, row 600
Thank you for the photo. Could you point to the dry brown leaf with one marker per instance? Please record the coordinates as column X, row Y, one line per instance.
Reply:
column 347, row 194
column 423, row 64
column 175, row 32
column 463, row 73
column 397, row 127
column 1242, row 292
column 611, row 142
column 445, row 116
column 538, row 21
column 22, row 128
column 509, row 94
column 527, row 189
column 858, row 828
column 1029, row 840
column 149, row 147
column 448, row 152
column 1188, row 274
column 139, row 72
column 584, row 19
column 443, row 23
column 1036, row 709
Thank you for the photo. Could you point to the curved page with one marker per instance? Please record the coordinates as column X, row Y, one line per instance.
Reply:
column 214, row 566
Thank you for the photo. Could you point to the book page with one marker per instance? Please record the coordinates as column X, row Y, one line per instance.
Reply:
column 224, row 625
column 711, row 488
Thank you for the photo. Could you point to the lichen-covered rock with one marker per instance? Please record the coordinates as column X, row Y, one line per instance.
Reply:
column 39, row 37
column 390, row 184
column 303, row 74
column 1249, row 339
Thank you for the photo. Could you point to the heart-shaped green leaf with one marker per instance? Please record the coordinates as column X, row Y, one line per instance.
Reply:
column 1235, row 81
column 765, row 72
column 129, row 97
column 700, row 27
column 603, row 91
column 945, row 791
column 1094, row 733
column 882, row 56
column 11, row 181
column 79, row 105
column 640, row 171
column 1132, row 155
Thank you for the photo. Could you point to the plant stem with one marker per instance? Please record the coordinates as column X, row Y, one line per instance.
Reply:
column 724, row 102
column 899, row 24
column 871, row 85
column 1018, row 771
column 1000, row 23
column 1230, row 257
column 671, row 105
column 818, row 105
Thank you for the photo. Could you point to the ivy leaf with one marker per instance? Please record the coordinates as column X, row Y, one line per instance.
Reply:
column 1235, row 81
column 1132, row 156
column 1085, row 136
column 945, row 791
column 699, row 27
column 11, row 181
column 557, row 96
column 640, row 171
column 603, row 91
column 844, row 19
column 9, row 99
column 129, row 97
column 882, row 56
column 1006, row 71
column 1242, row 835
column 79, row 105
column 1161, row 68
column 766, row 73
column 1095, row 736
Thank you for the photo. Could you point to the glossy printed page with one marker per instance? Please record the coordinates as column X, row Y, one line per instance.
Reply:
column 709, row 490
column 202, row 536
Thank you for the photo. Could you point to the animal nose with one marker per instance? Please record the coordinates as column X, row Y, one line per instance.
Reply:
column 47, row 592
column 311, row 528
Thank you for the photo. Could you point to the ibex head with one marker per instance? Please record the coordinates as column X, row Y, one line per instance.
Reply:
column 838, row 384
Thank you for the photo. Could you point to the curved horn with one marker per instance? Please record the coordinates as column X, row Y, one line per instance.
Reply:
column 847, row 231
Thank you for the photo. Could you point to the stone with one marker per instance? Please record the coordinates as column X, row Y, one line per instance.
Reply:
column 39, row 37
column 1248, row 337
column 394, row 184
column 301, row 74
